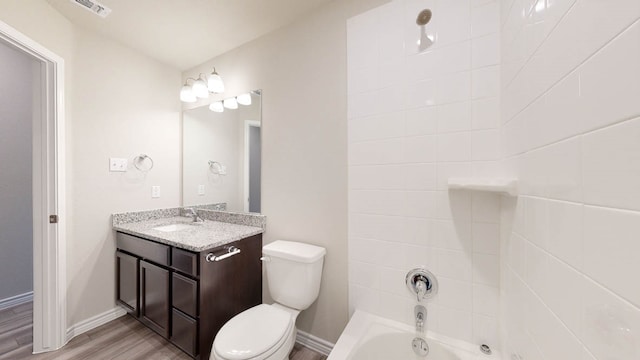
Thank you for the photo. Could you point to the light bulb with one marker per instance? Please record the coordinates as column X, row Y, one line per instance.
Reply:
column 215, row 83
column 187, row 95
column 231, row 103
column 200, row 89
column 244, row 99
column 216, row 107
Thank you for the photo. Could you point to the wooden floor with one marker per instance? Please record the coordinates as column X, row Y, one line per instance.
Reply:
column 123, row 339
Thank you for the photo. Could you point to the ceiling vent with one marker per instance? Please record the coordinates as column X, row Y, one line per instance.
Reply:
column 93, row 6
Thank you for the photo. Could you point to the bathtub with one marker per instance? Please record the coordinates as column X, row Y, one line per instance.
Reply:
column 370, row 337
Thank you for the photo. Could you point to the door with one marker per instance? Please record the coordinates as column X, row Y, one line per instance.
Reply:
column 154, row 297
column 127, row 282
column 255, row 165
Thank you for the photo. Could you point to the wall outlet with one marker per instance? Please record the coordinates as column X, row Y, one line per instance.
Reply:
column 201, row 190
column 118, row 164
column 155, row 191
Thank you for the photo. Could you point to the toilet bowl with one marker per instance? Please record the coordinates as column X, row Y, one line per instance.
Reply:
column 268, row 332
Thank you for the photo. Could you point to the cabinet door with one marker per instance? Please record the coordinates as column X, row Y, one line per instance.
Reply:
column 154, row 297
column 127, row 282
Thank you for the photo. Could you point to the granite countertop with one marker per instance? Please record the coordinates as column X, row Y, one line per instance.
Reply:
column 198, row 237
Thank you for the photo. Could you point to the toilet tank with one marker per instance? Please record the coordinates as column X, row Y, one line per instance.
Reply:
column 294, row 271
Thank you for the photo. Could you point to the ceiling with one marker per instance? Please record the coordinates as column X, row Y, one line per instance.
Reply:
column 186, row 33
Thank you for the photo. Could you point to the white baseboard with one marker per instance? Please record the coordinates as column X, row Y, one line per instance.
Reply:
column 16, row 300
column 94, row 322
column 314, row 343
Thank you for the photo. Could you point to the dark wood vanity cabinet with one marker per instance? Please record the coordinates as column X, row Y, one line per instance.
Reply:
column 182, row 296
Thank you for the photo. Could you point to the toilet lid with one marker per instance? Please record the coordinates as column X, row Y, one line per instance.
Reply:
column 252, row 332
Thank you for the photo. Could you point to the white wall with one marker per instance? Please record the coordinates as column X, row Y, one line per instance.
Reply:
column 118, row 104
column 571, row 84
column 301, row 69
column 16, row 207
column 416, row 119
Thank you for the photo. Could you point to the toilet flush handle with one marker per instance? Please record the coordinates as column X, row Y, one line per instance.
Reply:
column 265, row 259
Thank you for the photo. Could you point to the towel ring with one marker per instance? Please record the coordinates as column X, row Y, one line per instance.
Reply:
column 217, row 168
column 140, row 161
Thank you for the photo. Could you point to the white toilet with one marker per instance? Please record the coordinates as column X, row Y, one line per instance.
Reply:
column 269, row 331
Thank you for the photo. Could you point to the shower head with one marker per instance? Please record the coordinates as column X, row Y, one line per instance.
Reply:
column 424, row 17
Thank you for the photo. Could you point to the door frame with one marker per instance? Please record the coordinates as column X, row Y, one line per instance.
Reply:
column 49, row 240
column 248, row 124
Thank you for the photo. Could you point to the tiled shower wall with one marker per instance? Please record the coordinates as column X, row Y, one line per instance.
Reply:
column 416, row 119
column 571, row 113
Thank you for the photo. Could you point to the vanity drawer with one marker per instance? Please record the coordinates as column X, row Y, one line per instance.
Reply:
column 184, row 261
column 184, row 332
column 184, row 294
column 146, row 249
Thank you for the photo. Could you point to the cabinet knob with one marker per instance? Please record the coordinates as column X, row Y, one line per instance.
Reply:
column 231, row 250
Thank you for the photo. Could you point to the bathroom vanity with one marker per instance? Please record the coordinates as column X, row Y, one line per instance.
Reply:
column 185, row 280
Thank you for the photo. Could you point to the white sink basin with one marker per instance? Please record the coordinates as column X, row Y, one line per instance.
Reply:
column 173, row 227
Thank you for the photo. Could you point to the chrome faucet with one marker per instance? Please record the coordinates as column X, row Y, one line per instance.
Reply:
column 421, row 289
column 421, row 317
column 194, row 214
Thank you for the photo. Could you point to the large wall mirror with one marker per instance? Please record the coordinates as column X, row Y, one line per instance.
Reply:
column 221, row 157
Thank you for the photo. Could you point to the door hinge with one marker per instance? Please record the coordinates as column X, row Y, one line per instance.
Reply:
column 53, row 219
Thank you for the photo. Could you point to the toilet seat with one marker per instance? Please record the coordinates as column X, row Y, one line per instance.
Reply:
column 254, row 334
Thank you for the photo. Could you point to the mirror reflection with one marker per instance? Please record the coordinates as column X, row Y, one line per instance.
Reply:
column 221, row 158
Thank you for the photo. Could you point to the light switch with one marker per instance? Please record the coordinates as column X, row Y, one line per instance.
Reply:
column 200, row 189
column 117, row 165
column 155, row 191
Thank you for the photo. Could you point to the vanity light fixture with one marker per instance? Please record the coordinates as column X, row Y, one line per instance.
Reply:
column 216, row 107
column 231, row 103
column 215, row 83
column 244, row 99
column 186, row 93
column 201, row 87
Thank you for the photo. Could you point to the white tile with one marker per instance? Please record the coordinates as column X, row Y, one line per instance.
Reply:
column 485, row 82
column 486, row 207
column 516, row 251
column 421, row 66
column 454, row 147
column 449, row 32
column 377, row 177
column 453, row 235
column 376, row 127
column 536, row 228
column 454, row 117
column 611, row 167
column 455, row 264
column 611, row 249
column 364, row 274
column 419, row 256
column 485, row 51
column 485, row 113
column 454, row 58
column 421, row 121
column 611, row 325
column 566, row 231
column 453, row 87
column 486, row 145
column 486, row 300
column 455, row 294
column 422, row 93
column 377, row 227
column 455, row 323
column 392, row 280
column 454, row 205
column 448, row 170
column 419, row 149
column 382, row 202
column 485, row 19
column 418, row 231
column 563, row 293
column 376, row 152
column 486, row 238
column 418, row 176
column 486, row 269
column 420, row 204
